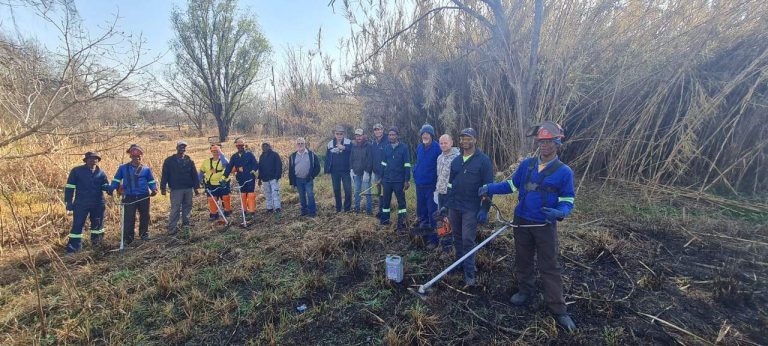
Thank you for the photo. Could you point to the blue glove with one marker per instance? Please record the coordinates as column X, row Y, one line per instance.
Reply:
column 552, row 214
column 482, row 217
column 483, row 191
column 70, row 207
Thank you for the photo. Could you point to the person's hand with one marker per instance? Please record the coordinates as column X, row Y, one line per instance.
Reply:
column 162, row 192
column 70, row 207
column 406, row 185
column 340, row 146
column 482, row 217
column 259, row 183
column 153, row 193
column 253, row 173
column 552, row 214
column 483, row 191
column 197, row 192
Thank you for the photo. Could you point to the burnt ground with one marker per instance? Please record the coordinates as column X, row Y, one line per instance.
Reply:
column 637, row 270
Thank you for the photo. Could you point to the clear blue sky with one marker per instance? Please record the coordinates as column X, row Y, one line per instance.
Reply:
column 283, row 22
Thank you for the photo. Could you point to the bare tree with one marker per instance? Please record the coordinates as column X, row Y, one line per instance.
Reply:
column 220, row 52
column 180, row 93
column 49, row 93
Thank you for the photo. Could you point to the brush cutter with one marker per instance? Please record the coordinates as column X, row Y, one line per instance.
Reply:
column 242, row 206
column 122, row 222
column 421, row 292
column 218, row 207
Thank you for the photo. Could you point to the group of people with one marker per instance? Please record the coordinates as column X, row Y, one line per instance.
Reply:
column 451, row 184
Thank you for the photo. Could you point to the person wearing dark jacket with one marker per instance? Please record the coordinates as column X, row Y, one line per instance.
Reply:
column 337, row 164
column 303, row 167
column 86, row 183
column 361, row 163
column 378, row 143
column 138, row 185
column 546, row 196
column 180, row 173
column 466, row 209
column 244, row 165
column 270, row 171
column 425, row 177
column 395, row 176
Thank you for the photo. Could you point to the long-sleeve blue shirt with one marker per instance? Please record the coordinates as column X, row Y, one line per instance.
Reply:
column 540, row 190
column 135, row 181
column 86, row 186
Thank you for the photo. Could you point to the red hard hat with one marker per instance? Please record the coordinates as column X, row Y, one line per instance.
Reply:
column 547, row 130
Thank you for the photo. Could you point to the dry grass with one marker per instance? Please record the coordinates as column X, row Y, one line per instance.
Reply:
column 623, row 256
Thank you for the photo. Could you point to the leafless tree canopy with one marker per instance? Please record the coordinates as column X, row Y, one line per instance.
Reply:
column 219, row 51
column 58, row 93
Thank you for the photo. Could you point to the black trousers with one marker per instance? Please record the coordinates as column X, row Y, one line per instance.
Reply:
column 132, row 205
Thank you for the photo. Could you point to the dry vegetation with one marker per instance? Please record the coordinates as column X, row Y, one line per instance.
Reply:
column 628, row 259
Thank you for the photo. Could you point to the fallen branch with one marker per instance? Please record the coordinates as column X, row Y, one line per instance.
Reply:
column 668, row 324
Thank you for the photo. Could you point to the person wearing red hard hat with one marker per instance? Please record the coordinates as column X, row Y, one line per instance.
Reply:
column 137, row 184
column 545, row 196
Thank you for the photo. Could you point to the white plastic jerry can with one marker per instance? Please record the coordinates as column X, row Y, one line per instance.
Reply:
column 394, row 268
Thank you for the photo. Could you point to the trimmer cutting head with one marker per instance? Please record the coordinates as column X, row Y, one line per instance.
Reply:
column 421, row 292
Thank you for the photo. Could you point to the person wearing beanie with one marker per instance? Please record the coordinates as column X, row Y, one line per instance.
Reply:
column 179, row 173
column 337, row 160
column 270, row 172
column 395, row 167
column 466, row 210
column 86, row 185
column 137, row 184
column 425, row 177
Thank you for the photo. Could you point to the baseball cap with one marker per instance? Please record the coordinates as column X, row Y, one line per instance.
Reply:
column 468, row 132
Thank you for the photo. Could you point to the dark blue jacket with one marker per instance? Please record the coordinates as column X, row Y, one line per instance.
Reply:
column 554, row 191
column 86, row 186
column 395, row 164
column 271, row 166
column 134, row 183
column 378, row 153
column 425, row 170
column 337, row 161
column 243, row 164
column 466, row 178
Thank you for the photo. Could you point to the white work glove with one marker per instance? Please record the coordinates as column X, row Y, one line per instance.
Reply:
column 352, row 174
column 366, row 177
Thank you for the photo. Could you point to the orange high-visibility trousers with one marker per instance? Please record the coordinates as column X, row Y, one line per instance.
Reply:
column 227, row 205
column 249, row 201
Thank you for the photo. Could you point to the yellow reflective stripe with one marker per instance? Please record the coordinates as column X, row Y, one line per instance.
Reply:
column 512, row 185
column 450, row 186
column 75, row 236
column 97, row 231
column 117, row 180
column 566, row 199
column 402, row 211
column 150, row 182
column 407, row 164
column 71, row 186
column 383, row 163
column 385, row 210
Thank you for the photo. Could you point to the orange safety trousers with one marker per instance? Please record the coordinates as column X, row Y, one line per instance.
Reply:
column 249, row 201
column 227, row 207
